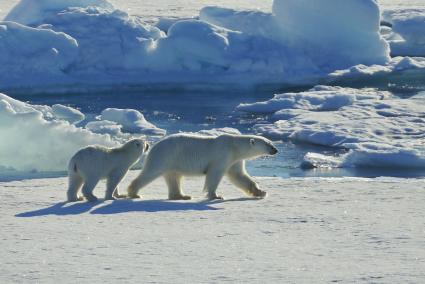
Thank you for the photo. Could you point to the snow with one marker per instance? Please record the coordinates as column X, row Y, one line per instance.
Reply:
column 409, row 24
column 245, row 48
column 30, row 12
column 33, row 139
column 378, row 130
column 308, row 230
column 131, row 121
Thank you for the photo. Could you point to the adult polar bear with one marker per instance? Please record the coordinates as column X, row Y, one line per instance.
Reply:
column 185, row 155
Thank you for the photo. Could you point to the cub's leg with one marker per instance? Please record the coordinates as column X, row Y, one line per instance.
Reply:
column 88, row 188
column 142, row 180
column 173, row 181
column 212, row 180
column 240, row 178
column 75, row 182
column 111, row 184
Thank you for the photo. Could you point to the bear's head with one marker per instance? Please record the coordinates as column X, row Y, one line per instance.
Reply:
column 136, row 147
column 252, row 146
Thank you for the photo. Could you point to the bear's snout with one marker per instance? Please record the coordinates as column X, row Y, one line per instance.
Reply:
column 273, row 151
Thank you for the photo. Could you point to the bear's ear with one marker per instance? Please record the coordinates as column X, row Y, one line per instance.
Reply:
column 146, row 146
column 252, row 141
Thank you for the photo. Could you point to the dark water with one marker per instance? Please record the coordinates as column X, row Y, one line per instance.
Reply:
column 195, row 111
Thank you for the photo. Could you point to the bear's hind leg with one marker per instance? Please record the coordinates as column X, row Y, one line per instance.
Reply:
column 239, row 177
column 173, row 181
column 75, row 182
column 88, row 188
column 142, row 180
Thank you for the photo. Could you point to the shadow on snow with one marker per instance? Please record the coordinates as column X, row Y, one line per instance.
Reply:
column 116, row 207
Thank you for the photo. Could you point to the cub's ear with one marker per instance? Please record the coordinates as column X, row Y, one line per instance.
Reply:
column 146, row 146
column 251, row 141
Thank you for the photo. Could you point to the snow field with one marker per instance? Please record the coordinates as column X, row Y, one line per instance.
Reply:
column 307, row 230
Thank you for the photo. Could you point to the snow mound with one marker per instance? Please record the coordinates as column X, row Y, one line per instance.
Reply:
column 255, row 23
column 374, row 130
column 320, row 98
column 252, row 48
column 131, row 121
column 32, row 142
column 33, row 12
column 31, row 52
column 409, row 24
column 69, row 114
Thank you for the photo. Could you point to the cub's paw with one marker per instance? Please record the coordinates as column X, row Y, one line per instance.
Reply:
column 215, row 197
column 76, row 199
column 180, row 197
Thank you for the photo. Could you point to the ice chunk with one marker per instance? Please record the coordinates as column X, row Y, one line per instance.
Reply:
column 131, row 121
column 30, row 142
column 69, row 114
column 337, row 32
column 409, row 24
column 28, row 53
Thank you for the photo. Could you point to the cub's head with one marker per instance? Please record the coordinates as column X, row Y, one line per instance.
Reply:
column 251, row 146
column 136, row 146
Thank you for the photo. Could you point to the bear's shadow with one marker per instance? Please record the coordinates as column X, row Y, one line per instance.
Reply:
column 117, row 207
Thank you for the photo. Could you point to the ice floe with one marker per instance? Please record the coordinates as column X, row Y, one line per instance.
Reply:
column 374, row 128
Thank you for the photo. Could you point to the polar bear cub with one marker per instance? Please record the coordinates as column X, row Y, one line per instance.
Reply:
column 184, row 155
column 93, row 163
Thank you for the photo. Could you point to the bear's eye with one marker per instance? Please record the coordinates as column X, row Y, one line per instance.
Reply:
column 252, row 141
column 137, row 144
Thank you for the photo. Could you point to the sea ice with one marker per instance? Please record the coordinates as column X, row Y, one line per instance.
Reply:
column 298, row 43
column 376, row 129
column 34, row 140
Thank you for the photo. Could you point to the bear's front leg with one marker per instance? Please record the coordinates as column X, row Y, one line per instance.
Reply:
column 112, row 184
column 239, row 177
column 212, row 180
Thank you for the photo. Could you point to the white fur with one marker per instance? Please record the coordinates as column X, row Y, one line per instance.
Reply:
column 93, row 163
column 183, row 155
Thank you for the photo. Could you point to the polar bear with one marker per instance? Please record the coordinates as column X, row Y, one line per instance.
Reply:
column 187, row 155
column 93, row 163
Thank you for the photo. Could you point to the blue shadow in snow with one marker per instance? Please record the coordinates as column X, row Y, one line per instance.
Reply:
column 124, row 206
column 60, row 209
column 116, row 207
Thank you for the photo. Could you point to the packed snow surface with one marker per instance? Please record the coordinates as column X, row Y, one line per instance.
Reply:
column 307, row 231
column 378, row 130
column 92, row 43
